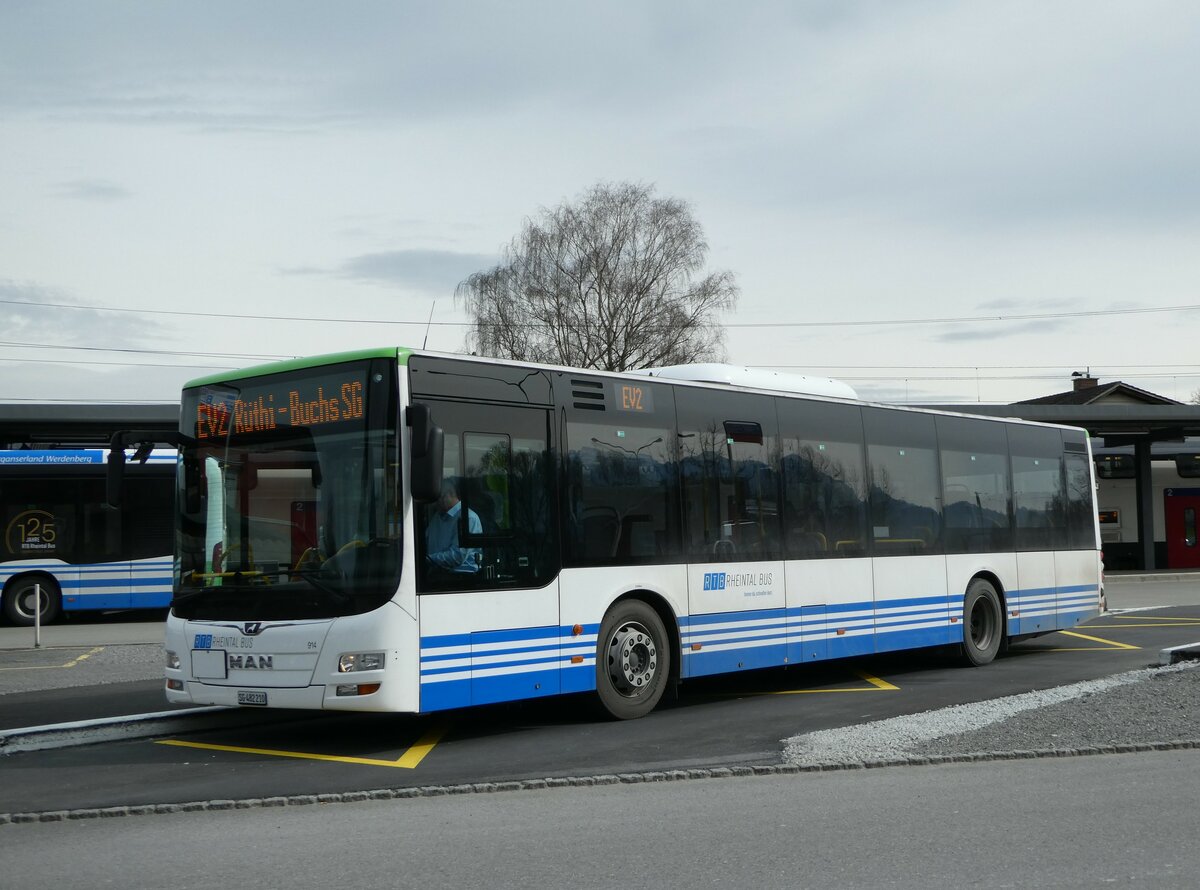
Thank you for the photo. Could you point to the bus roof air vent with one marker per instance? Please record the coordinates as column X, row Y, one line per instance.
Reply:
column 588, row 394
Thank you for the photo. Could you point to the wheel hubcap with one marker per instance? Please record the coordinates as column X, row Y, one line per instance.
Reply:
column 982, row 624
column 27, row 602
column 632, row 659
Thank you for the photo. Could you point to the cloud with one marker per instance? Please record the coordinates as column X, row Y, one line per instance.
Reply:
column 92, row 190
column 976, row 331
column 35, row 313
column 304, row 63
column 429, row 271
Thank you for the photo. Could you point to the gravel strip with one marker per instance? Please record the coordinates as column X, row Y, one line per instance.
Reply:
column 1138, row 707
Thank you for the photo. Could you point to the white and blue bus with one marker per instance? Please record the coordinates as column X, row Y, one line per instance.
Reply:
column 609, row 533
column 63, row 542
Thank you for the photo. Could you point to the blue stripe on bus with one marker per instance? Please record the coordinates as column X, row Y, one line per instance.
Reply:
column 141, row 584
column 536, row 661
column 494, row 636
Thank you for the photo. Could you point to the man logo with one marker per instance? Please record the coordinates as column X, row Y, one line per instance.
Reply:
column 251, row 662
column 252, row 628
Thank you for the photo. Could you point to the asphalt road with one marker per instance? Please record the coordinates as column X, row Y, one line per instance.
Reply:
column 737, row 720
column 1078, row 822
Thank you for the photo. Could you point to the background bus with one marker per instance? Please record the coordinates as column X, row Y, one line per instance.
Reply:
column 59, row 534
column 617, row 533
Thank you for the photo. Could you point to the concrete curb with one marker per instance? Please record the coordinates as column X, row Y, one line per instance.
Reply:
column 1188, row 652
column 1151, row 577
column 109, row 729
column 679, row 775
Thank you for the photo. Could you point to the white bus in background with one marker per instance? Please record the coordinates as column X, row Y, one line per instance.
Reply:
column 619, row 533
column 63, row 541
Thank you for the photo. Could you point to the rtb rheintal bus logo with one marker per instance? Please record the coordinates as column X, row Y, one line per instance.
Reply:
column 714, row 580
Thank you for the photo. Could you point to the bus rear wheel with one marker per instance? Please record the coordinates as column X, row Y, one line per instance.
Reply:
column 983, row 623
column 633, row 660
column 21, row 600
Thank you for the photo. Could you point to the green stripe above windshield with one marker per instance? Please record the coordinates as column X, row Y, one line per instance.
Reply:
column 399, row 353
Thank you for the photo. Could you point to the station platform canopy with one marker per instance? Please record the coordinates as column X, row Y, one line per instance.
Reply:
column 86, row 425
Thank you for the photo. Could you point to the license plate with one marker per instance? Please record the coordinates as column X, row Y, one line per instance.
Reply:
column 251, row 698
column 209, row 664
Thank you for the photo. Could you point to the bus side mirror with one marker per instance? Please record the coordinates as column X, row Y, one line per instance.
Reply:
column 115, row 477
column 428, row 445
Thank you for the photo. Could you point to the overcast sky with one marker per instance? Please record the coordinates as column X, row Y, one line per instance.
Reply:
column 850, row 162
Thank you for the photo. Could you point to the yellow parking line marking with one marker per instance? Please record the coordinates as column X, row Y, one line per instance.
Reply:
column 408, row 760
column 1111, row 644
column 875, row 681
column 876, row 686
column 423, row 746
column 84, row 656
column 55, row 667
column 1178, row 622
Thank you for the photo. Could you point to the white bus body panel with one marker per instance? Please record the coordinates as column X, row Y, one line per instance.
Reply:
column 831, row 609
column 738, row 617
column 295, row 663
column 1077, row 587
column 479, row 647
column 1033, row 605
column 912, row 606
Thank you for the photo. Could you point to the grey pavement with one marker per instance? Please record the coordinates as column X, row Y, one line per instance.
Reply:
column 81, row 633
column 1078, row 822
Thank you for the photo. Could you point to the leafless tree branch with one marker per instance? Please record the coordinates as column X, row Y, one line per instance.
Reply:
column 612, row 281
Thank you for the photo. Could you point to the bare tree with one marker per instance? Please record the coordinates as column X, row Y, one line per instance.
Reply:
column 613, row 281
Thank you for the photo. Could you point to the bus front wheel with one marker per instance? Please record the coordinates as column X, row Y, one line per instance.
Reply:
column 21, row 600
column 633, row 660
column 983, row 623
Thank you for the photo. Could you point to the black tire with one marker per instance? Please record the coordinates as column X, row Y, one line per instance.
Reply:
column 21, row 594
column 633, row 660
column 983, row 624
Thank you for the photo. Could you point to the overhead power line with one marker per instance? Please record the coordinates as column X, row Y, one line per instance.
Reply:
column 121, row 349
column 963, row 319
column 71, row 361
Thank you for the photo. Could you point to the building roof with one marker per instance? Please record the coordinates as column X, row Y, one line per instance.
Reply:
column 1102, row 393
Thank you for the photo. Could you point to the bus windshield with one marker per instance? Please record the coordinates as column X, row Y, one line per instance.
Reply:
column 288, row 495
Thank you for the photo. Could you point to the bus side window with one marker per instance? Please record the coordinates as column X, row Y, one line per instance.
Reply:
column 824, row 479
column 730, row 475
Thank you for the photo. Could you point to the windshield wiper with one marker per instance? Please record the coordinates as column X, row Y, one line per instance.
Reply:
column 187, row 595
column 310, row 575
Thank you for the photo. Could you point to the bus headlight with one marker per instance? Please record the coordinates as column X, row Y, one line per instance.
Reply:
column 172, row 661
column 360, row 661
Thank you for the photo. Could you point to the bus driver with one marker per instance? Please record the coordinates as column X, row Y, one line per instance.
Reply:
column 443, row 552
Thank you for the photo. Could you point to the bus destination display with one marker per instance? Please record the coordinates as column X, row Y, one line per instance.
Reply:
column 309, row 402
column 635, row 397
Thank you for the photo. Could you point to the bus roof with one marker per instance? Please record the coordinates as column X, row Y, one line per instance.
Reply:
column 710, row 373
column 754, row 378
